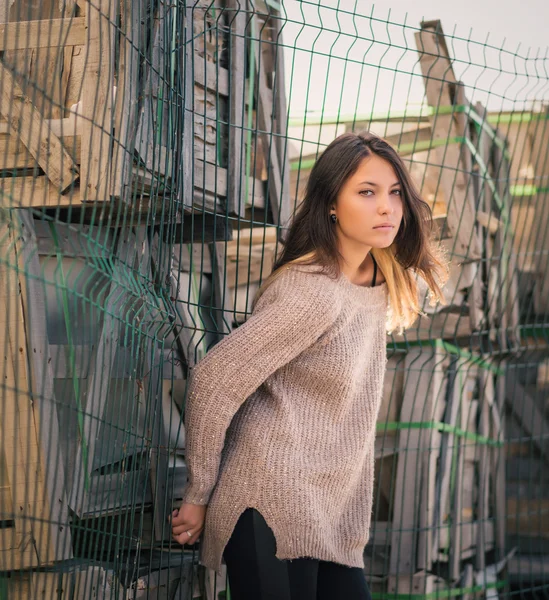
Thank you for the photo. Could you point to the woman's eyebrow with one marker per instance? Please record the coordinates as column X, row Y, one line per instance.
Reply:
column 372, row 183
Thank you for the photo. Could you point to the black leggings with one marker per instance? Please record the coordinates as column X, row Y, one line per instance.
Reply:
column 255, row 573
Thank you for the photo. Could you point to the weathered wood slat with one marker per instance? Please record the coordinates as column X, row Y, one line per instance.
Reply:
column 475, row 299
column 127, row 97
column 498, row 464
column 281, row 116
column 438, row 75
column 57, row 533
column 15, row 155
column 30, row 192
column 421, row 390
column 486, row 384
column 67, row 127
column 237, row 108
column 27, row 124
column 221, row 281
column 16, row 542
column 97, row 101
column 28, row 413
column 45, row 33
column 448, row 440
column 462, row 482
column 527, row 412
column 279, row 205
column 187, row 133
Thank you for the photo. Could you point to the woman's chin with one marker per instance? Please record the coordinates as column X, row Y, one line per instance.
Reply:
column 379, row 244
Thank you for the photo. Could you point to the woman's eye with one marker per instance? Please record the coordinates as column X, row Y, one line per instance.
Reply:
column 366, row 191
column 397, row 192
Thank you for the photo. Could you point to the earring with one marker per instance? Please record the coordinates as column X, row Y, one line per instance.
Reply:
column 333, row 217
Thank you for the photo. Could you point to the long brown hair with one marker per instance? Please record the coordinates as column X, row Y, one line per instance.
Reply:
column 311, row 238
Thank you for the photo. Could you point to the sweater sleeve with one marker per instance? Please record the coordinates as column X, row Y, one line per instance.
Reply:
column 292, row 313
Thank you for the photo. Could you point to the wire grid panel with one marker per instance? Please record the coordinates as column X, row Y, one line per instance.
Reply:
column 152, row 156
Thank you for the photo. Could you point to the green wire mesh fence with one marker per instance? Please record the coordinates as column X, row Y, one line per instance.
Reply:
column 152, row 154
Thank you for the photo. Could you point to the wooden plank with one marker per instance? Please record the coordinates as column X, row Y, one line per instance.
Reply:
column 498, row 466
column 28, row 125
column 127, row 97
column 435, row 404
column 438, row 75
column 28, row 416
column 212, row 77
column 527, row 412
column 486, row 384
column 98, row 381
column 475, row 297
column 67, row 127
column 38, row 71
column 188, row 100
column 507, row 307
column 15, row 155
column 237, row 108
column 34, row 192
column 419, row 136
column 470, row 532
column 27, row 585
column 223, row 296
column 280, row 120
column 280, row 206
column 17, row 549
column 421, row 388
column 444, row 470
column 463, row 389
column 57, row 532
column 540, row 244
column 46, row 33
column 97, row 100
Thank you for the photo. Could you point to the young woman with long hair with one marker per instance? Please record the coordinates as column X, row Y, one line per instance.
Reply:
column 281, row 414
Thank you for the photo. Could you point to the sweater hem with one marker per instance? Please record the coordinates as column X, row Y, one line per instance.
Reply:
column 211, row 551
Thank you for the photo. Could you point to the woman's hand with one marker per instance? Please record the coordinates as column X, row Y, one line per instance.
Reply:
column 189, row 518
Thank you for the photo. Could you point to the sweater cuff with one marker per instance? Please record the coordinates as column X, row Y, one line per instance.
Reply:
column 196, row 495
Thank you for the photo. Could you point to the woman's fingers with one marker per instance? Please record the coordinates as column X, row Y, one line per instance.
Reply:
column 185, row 527
column 177, row 518
column 183, row 538
column 187, row 522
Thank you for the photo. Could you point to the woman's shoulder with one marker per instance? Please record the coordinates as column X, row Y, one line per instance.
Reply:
column 305, row 284
column 308, row 278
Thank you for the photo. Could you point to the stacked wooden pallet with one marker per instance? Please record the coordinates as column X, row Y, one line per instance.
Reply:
column 101, row 443
column 439, row 509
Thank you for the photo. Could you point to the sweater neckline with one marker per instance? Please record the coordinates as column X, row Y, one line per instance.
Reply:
column 360, row 287
column 373, row 295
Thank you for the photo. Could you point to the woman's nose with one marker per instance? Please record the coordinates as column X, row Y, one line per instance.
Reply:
column 385, row 205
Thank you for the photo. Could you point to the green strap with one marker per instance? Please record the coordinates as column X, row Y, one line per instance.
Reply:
column 528, row 190
column 439, row 426
column 451, row 349
column 423, row 112
column 439, row 593
column 462, row 353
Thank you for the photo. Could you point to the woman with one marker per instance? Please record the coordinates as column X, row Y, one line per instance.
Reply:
column 281, row 414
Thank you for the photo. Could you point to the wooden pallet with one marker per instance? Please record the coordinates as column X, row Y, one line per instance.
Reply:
column 435, row 501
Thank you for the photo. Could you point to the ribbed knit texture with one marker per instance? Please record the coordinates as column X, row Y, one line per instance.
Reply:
column 281, row 416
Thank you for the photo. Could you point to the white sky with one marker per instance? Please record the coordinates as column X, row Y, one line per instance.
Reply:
column 382, row 72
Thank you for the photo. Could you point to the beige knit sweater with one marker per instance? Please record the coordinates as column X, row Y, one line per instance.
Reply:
column 281, row 416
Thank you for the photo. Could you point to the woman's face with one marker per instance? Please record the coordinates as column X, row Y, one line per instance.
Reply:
column 368, row 200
